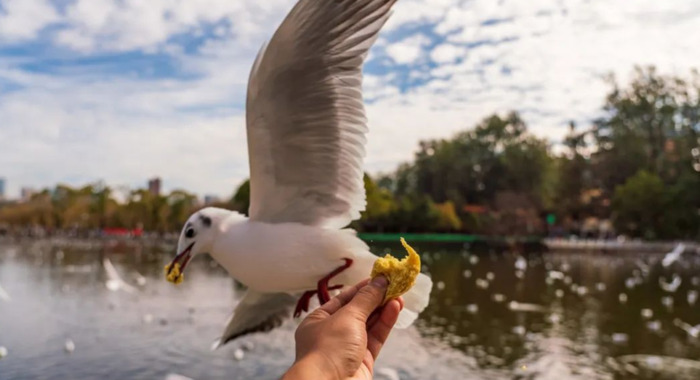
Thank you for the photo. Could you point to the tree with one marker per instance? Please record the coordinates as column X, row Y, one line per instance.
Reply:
column 498, row 155
column 682, row 208
column 639, row 205
column 241, row 199
column 651, row 125
column 573, row 175
column 181, row 205
column 380, row 207
column 448, row 220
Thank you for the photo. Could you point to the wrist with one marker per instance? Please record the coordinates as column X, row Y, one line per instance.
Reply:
column 312, row 366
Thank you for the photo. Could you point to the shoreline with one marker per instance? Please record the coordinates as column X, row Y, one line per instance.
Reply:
column 618, row 246
column 500, row 243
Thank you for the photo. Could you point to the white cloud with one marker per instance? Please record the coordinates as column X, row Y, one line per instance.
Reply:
column 408, row 50
column 447, row 53
column 23, row 19
column 113, row 25
column 100, row 132
column 411, row 12
column 547, row 58
column 78, row 123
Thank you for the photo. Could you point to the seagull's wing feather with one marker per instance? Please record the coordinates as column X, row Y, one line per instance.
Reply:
column 257, row 312
column 306, row 121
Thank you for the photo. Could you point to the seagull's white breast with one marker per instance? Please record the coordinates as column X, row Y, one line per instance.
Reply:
column 286, row 257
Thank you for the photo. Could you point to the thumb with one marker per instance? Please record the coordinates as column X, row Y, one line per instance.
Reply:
column 368, row 298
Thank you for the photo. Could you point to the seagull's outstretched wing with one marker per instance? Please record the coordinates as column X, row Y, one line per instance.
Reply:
column 257, row 312
column 305, row 118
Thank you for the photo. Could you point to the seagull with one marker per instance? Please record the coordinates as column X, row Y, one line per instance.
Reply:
column 673, row 256
column 306, row 128
column 526, row 307
column 114, row 281
column 3, row 295
column 672, row 286
column 693, row 331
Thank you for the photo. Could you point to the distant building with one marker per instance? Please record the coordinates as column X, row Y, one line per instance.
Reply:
column 2, row 188
column 154, row 186
column 210, row 199
column 26, row 194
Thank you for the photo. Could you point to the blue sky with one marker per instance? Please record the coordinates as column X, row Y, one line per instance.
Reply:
column 122, row 90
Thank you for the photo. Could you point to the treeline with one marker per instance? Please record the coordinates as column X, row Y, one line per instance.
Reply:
column 94, row 207
column 633, row 171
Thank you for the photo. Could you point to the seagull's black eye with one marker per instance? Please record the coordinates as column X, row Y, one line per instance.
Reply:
column 189, row 233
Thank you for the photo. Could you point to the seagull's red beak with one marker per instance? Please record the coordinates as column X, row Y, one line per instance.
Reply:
column 183, row 258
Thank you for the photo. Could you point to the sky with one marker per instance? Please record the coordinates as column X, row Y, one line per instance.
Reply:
column 124, row 90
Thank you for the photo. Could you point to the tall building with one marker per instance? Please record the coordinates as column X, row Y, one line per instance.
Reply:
column 154, row 186
column 2, row 188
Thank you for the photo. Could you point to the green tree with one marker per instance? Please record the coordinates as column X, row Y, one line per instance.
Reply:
column 497, row 156
column 181, row 205
column 573, row 170
column 639, row 205
column 652, row 124
column 379, row 209
column 682, row 208
column 448, row 220
column 415, row 213
column 241, row 199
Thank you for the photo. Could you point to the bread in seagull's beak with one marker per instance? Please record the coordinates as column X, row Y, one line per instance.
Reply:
column 174, row 272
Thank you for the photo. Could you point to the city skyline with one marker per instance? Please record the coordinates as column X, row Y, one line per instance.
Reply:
column 152, row 184
column 118, row 91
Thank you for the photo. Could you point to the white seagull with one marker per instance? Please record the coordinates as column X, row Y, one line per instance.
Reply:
column 673, row 256
column 306, row 129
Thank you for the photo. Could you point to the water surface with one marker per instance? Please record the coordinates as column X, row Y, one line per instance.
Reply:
column 491, row 316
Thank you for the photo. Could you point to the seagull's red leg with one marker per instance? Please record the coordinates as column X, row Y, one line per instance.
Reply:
column 303, row 303
column 335, row 287
column 323, row 295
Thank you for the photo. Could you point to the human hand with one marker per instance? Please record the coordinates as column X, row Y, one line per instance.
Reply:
column 342, row 338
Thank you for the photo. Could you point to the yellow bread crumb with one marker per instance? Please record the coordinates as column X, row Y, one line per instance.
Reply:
column 174, row 276
column 400, row 274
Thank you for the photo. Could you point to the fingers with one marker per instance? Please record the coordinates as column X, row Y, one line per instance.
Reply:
column 379, row 332
column 401, row 301
column 376, row 314
column 368, row 298
column 343, row 298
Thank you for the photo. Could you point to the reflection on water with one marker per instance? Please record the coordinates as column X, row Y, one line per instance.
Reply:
column 543, row 316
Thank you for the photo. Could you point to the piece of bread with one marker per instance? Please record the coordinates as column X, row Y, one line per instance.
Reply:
column 174, row 275
column 400, row 274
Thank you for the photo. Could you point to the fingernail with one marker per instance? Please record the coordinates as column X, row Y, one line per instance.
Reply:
column 380, row 281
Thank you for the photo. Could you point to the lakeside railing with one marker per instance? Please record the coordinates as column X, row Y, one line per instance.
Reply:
column 617, row 245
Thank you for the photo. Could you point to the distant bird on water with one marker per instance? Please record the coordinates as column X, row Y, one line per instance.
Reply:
column 306, row 130
column 673, row 256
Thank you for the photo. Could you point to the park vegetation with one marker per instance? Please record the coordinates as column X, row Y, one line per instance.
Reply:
column 635, row 170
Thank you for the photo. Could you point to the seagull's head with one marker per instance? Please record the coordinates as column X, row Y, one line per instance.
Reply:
column 197, row 237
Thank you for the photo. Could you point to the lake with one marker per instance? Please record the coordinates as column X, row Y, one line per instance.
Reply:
column 492, row 316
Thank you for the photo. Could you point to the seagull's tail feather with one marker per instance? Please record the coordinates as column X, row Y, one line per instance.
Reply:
column 415, row 301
